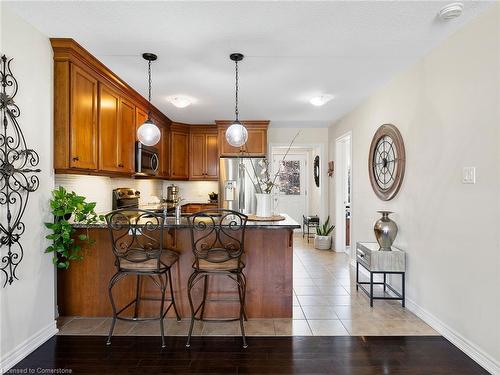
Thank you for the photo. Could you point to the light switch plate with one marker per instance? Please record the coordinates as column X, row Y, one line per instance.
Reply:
column 469, row 175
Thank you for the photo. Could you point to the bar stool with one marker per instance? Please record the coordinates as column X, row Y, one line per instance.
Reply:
column 137, row 243
column 217, row 238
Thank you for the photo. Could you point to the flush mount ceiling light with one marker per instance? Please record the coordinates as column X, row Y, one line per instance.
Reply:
column 451, row 11
column 236, row 133
column 180, row 101
column 148, row 133
column 318, row 101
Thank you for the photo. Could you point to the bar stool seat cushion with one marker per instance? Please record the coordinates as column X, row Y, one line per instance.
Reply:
column 136, row 262
column 228, row 265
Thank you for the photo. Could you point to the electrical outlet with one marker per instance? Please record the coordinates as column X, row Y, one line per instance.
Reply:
column 469, row 175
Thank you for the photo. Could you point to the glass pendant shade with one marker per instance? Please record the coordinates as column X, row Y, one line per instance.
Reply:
column 148, row 133
column 236, row 134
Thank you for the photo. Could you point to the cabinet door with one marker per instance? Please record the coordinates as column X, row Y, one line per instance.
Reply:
column 179, row 155
column 140, row 117
column 83, row 120
column 126, row 139
column 197, row 156
column 256, row 144
column 164, row 147
column 211, row 157
column 109, row 117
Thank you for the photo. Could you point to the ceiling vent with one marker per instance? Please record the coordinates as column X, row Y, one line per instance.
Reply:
column 451, row 11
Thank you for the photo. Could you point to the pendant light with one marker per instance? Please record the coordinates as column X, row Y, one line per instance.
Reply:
column 236, row 133
column 148, row 133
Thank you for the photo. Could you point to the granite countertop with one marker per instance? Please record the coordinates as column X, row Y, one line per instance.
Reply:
column 171, row 222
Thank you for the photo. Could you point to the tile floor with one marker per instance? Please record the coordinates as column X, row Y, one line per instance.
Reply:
column 326, row 303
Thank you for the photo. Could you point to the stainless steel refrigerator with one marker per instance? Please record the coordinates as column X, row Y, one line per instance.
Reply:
column 236, row 183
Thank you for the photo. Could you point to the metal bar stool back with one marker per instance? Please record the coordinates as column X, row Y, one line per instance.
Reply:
column 137, row 243
column 218, row 238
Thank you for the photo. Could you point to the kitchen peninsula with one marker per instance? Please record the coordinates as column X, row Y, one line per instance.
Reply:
column 83, row 288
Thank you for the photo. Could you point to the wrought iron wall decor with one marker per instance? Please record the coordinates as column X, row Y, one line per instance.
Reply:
column 17, row 175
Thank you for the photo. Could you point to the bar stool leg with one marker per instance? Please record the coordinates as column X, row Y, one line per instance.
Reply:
column 137, row 297
column 112, row 282
column 163, row 287
column 172, row 295
column 205, row 289
column 243, row 292
column 242, row 308
column 190, row 285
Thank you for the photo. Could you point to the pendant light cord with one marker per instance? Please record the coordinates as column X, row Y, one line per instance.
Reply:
column 236, row 96
column 149, row 92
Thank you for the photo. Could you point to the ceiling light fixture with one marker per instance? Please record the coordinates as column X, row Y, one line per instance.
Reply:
column 451, row 11
column 148, row 133
column 318, row 101
column 236, row 134
column 180, row 101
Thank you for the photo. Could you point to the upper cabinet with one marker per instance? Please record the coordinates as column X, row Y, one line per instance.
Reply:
column 256, row 144
column 95, row 114
column 204, row 154
column 179, row 151
column 109, row 124
column 126, row 136
column 83, row 120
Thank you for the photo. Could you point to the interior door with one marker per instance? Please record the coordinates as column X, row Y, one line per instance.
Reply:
column 290, row 197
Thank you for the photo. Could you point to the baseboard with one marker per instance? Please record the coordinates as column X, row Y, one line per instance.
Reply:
column 25, row 348
column 474, row 352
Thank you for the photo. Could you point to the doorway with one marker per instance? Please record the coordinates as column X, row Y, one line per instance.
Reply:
column 291, row 194
column 343, row 196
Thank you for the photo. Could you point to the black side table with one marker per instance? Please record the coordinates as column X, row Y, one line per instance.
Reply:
column 386, row 263
column 309, row 222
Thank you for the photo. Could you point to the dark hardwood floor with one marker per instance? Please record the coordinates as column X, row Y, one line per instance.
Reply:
column 264, row 355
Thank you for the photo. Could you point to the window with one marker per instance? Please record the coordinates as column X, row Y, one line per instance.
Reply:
column 289, row 176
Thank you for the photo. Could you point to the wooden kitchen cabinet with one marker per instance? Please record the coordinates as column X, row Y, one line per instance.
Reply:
column 127, row 134
column 191, row 208
column 179, row 151
column 83, row 119
column 140, row 118
column 204, row 154
column 116, row 132
column 109, row 117
column 257, row 139
column 95, row 115
column 164, row 148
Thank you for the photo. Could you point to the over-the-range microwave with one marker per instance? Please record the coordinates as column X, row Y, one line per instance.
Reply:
column 147, row 160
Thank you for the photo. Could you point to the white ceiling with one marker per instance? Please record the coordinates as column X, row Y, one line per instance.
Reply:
column 293, row 50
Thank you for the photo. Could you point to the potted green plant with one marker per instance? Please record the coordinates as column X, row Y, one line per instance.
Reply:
column 322, row 238
column 65, row 205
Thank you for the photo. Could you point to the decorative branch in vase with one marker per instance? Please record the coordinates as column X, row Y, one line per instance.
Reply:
column 265, row 183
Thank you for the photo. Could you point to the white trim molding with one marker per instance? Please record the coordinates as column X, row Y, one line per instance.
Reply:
column 466, row 346
column 28, row 346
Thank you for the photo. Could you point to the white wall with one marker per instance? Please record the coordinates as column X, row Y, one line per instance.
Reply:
column 27, row 306
column 447, row 108
column 315, row 139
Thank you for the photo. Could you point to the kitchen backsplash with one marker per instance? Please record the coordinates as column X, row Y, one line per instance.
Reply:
column 193, row 191
column 98, row 189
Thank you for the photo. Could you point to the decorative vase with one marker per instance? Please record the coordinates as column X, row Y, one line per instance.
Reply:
column 264, row 205
column 385, row 231
column 322, row 242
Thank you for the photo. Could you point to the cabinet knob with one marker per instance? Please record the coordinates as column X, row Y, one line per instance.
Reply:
column 76, row 158
column 120, row 165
